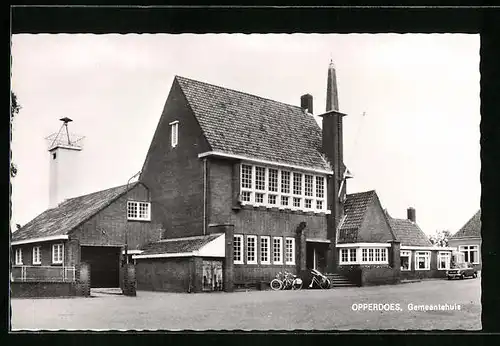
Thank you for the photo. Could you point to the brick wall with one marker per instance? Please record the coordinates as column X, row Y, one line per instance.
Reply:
column 42, row 289
column 164, row 274
column 108, row 226
column 375, row 228
column 261, row 221
column 378, row 275
column 175, row 175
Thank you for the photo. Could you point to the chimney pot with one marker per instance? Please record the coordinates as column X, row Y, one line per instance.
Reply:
column 306, row 103
column 411, row 214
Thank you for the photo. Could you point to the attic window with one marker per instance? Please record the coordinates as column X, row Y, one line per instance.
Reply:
column 140, row 211
column 174, row 133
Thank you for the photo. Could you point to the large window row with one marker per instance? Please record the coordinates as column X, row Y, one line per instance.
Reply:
column 36, row 258
column 363, row 256
column 284, row 189
column 423, row 260
column 263, row 250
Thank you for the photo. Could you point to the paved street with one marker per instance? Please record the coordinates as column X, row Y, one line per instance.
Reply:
column 260, row 310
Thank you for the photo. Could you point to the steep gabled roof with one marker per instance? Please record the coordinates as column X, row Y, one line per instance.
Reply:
column 238, row 123
column 69, row 214
column 355, row 208
column 179, row 245
column 408, row 233
column 471, row 229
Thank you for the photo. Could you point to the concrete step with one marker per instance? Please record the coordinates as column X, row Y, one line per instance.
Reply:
column 338, row 280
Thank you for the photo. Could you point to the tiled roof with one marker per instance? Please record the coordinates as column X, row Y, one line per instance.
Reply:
column 237, row 123
column 408, row 232
column 180, row 245
column 354, row 212
column 472, row 228
column 69, row 214
column 355, row 207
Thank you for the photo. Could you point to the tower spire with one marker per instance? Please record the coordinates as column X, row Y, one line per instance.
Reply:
column 332, row 100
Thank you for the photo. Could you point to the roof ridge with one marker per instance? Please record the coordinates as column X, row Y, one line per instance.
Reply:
column 240, row 92
column 100, row 191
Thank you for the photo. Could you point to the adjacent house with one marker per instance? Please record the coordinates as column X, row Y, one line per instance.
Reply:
column 92, row 228
column 468, row 240
column 418, row 256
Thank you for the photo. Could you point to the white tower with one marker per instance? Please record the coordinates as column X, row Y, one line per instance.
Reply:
column 64, row 151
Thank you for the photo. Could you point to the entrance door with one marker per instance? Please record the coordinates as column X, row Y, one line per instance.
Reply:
column 212, row 275
column 316, row 256
column 104, row 265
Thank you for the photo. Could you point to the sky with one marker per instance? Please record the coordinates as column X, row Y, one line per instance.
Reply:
column 417, row 143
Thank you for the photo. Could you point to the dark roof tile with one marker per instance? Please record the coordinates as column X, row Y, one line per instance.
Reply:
column 69, row 214
column 471, row 229
column 354, row 212
column 181, row 245
column 238, row 123
column 408, row 232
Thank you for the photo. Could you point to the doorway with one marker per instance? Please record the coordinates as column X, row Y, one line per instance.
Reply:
column 104, row 265
column 316, row 256
column 212, row 275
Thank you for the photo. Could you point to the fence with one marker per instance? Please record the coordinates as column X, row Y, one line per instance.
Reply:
column 43, row 274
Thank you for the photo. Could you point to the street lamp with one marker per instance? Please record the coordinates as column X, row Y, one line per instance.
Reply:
column 126, row 214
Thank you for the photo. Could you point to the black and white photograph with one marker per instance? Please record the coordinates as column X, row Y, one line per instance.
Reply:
column 255, row 182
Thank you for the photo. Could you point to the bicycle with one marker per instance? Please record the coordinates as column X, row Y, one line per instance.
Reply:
column 319, row 279
column 286, row 280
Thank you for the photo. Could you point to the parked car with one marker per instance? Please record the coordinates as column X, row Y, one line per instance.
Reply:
column 461, row 271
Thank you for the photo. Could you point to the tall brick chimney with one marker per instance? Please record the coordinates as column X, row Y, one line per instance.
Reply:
column 332, row 147
column 411, row 214
column 306, row 103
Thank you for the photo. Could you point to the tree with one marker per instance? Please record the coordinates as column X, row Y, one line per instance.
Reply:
column 440, row 238
column 14, row 110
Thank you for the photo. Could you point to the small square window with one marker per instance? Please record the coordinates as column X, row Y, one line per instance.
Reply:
column 285, row 200
column 308, row 203
column 272, row 199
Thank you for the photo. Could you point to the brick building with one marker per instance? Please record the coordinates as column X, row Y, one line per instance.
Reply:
column 468, row 240
column 91, row 229
column 234, row 189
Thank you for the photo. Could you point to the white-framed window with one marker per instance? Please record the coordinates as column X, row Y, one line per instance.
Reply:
column 289, row 250
column 444, row 259
column 19, row 256
column 251, row 249
column 238, row 249
column 471, row 253
column 372, row 255
column 37, row 256
column 297, row 184
column 348, row 256
column 320, row 192
column 405, row 257
column 274, row 187
column 174, row 133
column 139, row 211
column 265, row 252
column 277, row 250
column 273, row 180
column 57, row 253
column 422, row 260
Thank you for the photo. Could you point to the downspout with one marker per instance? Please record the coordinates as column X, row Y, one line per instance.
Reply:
column 204, row 196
